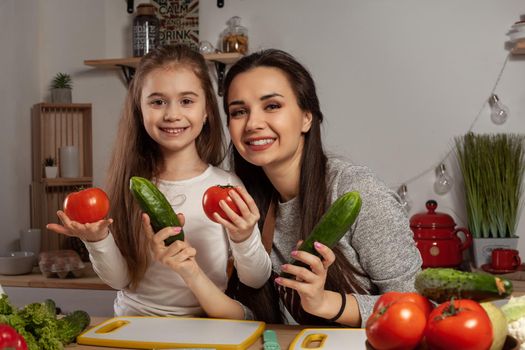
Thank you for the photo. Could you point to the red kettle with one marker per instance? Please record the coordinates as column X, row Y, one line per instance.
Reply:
column 437, row 238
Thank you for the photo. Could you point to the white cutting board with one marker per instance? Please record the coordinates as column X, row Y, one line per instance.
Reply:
column 330, row 339
column 144, row 332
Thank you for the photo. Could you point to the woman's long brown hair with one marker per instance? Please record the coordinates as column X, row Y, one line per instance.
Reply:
column 135, row 153
column 313, row 196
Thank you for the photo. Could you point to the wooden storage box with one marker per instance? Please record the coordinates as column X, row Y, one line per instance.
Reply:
column 54, row 126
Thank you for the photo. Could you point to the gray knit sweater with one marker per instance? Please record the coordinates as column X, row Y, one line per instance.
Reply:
column 380, row 245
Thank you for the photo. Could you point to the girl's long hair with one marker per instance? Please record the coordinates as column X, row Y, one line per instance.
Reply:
column 313, row 196
column 135, row 153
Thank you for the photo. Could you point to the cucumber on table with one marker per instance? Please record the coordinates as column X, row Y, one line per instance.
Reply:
column 440, row 284
column 333, row 225
column 155, row 204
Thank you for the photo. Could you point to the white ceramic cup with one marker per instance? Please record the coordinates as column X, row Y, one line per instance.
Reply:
column 69, row 161
column 30, row 240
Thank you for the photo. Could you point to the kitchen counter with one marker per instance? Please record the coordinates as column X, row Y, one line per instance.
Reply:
column 89, row 280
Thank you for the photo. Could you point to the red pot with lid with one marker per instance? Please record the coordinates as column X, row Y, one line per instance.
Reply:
column 438, row 239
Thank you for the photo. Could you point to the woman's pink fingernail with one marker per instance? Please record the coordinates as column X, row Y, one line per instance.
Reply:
column 278, row 280
column 177, row 229
column 318, row 245
column 294, row 253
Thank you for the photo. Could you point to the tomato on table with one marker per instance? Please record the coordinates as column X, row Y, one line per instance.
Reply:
column 389, row 298
column 459, row 324
column 10, row 339
column 212, row 197
column 396, row 326
column 86, row 206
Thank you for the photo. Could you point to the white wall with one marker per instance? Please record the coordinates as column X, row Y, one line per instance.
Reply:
column 398, row 80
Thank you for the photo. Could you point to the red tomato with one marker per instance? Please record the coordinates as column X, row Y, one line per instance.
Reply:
column 85, row 206
column 10, row 339
column 461, row 324
column 211, row 198
column 392, row 297
column 397, row 326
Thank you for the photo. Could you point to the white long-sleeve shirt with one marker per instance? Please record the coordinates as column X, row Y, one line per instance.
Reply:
column 162, row 291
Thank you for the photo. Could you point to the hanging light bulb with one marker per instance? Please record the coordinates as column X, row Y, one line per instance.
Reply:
column 405, row 200
column 444, row 181
column 498, row 111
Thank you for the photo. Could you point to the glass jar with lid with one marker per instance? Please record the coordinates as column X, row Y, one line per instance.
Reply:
column 146, row 28
column 235, row 37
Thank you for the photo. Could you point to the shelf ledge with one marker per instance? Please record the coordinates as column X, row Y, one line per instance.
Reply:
column 129, row 64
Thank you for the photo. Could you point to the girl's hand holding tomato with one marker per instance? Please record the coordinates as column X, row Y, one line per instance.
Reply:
column 87, row 206
column 233, row 208
column 84, row 215
column 398, row 325
column 459, row 324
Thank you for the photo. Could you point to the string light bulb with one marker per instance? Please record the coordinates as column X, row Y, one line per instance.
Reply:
column 444, row 181
column 404, row 199
column 499, row 113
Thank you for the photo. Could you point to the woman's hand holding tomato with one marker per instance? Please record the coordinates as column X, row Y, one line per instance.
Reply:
column 459, row 324
column 399, row 325
column 233, row 208
column 84, row 215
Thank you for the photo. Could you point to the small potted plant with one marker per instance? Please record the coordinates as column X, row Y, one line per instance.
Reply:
column 61, row 88
column 50, row 167
column 492, row 166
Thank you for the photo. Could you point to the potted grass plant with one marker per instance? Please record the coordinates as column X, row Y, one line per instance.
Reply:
column 61, row 87
column 492, row 166
column 50, row 167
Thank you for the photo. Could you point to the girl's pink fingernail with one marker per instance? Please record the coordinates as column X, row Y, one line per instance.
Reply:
column 278, row 280
column 318, row 245
column 294, row 253
column 177, row 229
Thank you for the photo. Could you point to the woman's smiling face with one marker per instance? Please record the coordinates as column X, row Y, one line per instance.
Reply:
column 266, row 124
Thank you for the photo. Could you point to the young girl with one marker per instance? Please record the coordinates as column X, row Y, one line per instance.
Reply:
column 171, row 132
column 274, row 121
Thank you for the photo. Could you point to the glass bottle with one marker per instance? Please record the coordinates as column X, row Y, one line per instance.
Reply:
column 145, row 30
column 235, row 37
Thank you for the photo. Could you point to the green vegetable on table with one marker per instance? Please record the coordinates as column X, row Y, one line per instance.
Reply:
column 332, row 226
column 40, row 326
column 440, row 284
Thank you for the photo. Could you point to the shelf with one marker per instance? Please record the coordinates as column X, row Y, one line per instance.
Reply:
column 519, row 48
column 226, row 58
column 129, row 64
column 65, row 181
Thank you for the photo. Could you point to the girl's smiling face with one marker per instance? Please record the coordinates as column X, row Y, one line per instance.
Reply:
column 266, row 124
column 173, row 108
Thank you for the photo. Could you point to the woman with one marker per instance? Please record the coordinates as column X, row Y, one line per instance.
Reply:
column 274, row 121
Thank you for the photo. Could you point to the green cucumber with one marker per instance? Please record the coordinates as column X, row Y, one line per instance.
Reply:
column 155, row 204
column 333, row 225
column 441, row 284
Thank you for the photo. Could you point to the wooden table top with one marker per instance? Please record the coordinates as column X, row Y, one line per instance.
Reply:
column 36, row 279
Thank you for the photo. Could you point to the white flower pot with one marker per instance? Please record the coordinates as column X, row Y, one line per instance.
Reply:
column 51, row 172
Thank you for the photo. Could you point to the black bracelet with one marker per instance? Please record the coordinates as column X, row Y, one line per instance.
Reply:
column 342, row 309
